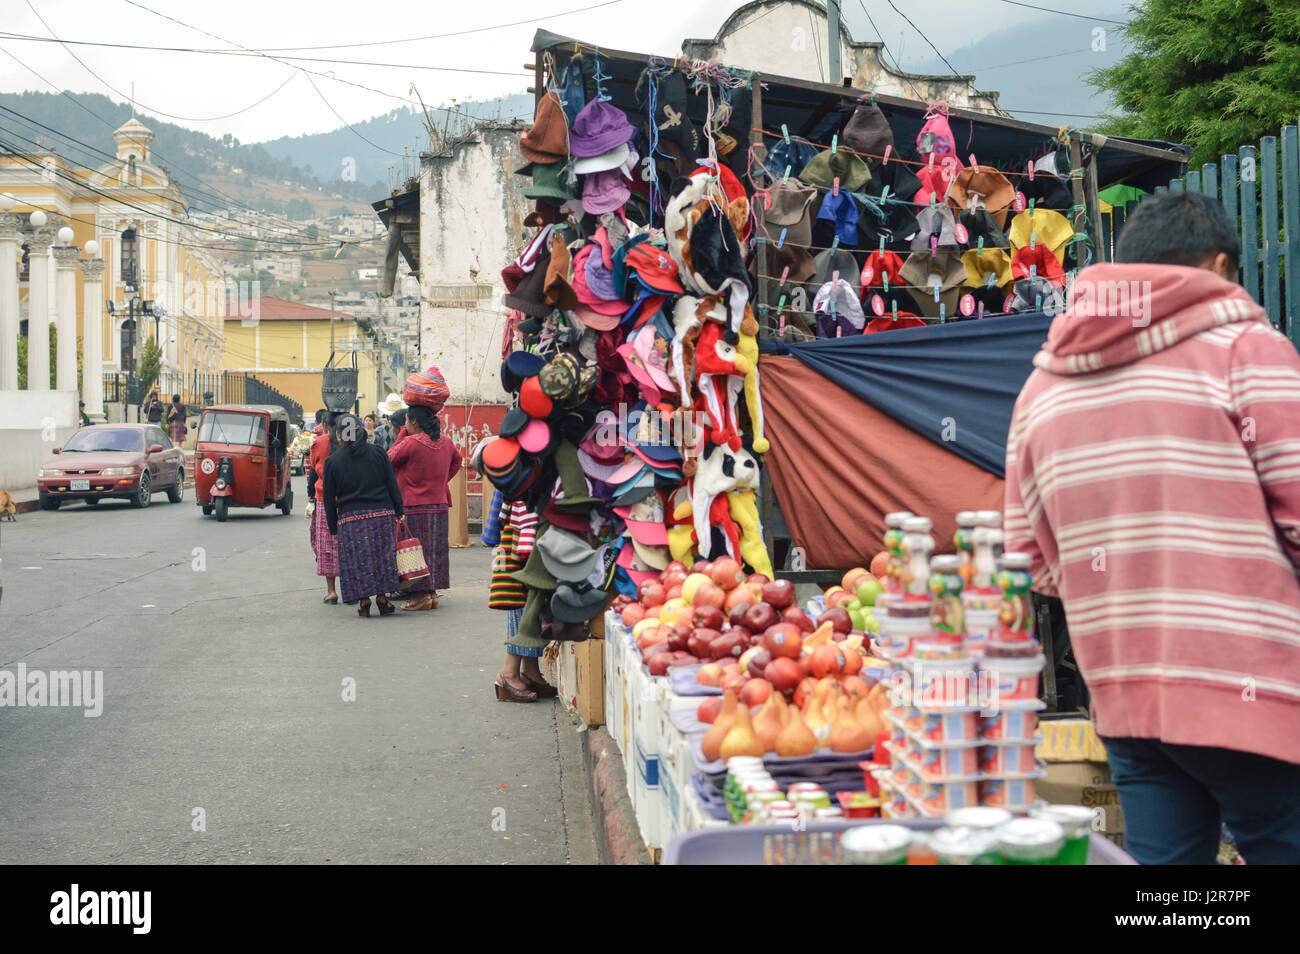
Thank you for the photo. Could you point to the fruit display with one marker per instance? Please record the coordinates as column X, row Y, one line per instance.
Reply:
column 792, row 678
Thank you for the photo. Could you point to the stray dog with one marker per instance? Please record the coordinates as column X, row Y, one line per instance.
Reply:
column 7, row 508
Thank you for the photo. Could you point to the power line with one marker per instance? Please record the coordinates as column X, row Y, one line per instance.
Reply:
column 1077, row 16
column 925, row 38
column 26, row 38
column 348, row 124
column 884, row 46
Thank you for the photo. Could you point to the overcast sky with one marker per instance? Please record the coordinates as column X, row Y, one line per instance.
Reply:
column 202, row 91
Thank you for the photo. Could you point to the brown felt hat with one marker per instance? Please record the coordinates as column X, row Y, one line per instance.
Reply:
column 790, row 212
column 559, row 292
column 547, row 140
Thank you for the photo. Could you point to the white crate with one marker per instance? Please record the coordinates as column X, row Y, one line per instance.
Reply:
column 695, row 817
column 647, row 798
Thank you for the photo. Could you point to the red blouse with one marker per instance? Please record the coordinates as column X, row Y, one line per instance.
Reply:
column 424, row 467
column 320, row 450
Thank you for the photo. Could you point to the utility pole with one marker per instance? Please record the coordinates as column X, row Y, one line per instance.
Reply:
column 332, row 294
column 833, row 42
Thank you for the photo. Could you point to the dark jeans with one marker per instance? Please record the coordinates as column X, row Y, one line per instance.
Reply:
column 1175, row 796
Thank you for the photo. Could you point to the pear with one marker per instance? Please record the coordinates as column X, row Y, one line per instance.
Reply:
column 711, row 744
column 741, row 740
column 847, row 734
column 769, row 723
column 796, row 738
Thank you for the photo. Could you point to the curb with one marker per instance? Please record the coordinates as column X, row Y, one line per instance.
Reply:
column 617, row 833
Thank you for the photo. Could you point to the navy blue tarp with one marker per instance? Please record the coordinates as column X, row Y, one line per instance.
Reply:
column 953, row 383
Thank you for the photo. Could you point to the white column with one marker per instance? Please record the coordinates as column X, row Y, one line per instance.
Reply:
column 38, row 309
column 92, row 338
column 65, row 320
column 10, row 235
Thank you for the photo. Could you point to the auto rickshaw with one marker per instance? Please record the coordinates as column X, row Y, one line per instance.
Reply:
column 241, row 459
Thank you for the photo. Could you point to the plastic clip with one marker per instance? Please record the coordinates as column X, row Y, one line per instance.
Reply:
column 835, row 144
column 785, row 273
column 781, row 241
column 785, row 133
column 888, row 149
column 835, row 188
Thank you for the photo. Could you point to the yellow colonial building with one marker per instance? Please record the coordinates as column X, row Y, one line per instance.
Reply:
column 136, row 213
column 287, row 345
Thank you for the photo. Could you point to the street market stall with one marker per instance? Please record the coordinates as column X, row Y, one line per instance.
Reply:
column 687, row 216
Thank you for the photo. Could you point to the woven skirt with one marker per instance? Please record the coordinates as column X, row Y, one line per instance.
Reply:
column 367, row 553
column 323, row 543
column 429, row 524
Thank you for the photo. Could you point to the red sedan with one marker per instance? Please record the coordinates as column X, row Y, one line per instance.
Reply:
column 128, row 461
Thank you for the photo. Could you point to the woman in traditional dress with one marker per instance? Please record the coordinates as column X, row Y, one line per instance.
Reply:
column 425, row 462
column 176, row 421
column 323, row 543
column 362, row 505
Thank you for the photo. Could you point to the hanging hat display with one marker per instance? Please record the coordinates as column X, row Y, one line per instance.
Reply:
column 1041, row 227
column 599, row 127
column 827, row 166
column 547, row 140
column 787, row 219
column 982, row 188
column 927, row 272
column 989, row 267
column 867, row 130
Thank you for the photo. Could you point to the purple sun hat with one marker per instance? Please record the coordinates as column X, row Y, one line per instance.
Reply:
column 604, row 192
column 599, row 127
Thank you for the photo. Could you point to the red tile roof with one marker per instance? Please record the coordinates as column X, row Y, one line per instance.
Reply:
column 266, row 308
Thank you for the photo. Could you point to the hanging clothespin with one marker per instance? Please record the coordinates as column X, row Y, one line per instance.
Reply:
column 780, row 326
column 974, row 166
column 1031, row 170
column 979, row 309
column 1038, row 303
column 1033, row 239
column 835, row 144
column 990, row 278
column 780, row 305
column 786, row 177
column 1033, row 272
column 882, row 245
column 785, row 273
column 835, row 188
column 888, row 149
column 884, row 194
column 943, row 312
column 885, row 275
column 835, row 243
column 785, row 133
column 934, row 245
column 980, row 247
column 781, row 241
column 1032, row 202
column 932, row 200
column 894, row 303
column 931, row 163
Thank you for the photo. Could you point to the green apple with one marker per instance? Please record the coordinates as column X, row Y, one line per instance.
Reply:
column 869, row 590
column 858, row 619
column 854, row 604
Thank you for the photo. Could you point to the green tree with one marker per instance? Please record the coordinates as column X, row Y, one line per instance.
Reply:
column 150, row 364
column 1213, row 74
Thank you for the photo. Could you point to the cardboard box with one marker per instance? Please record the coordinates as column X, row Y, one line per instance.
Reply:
column 1078, row 774
column 582, row 679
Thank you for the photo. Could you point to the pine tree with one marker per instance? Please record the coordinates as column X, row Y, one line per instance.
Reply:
column 1213, row 74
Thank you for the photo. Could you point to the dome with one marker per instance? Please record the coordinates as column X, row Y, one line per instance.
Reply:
column 133, row 138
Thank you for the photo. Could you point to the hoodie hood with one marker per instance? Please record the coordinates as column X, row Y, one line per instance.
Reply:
column 1120, row 313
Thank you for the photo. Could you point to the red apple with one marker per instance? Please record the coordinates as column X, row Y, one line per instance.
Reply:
column 651, row 593
column 708, row 710
column 728, row 644
column 740, row 596
column 783, row 674
column 707, row 617
column 682, row 659
column 737, row 617
column 710, row 594
column 755, row 692
column 803, row 692
column 827, row 661
column 759, row 662
column 758, row 578
column 779, row 593
column 701, row 566
column 733, row 681
column 797, row 617
column 759, row 617
column 727, row 573
column 783, row 640
column 632, row 614
column 699, row 641
column 839, row 619
column 710, row 674
column 680, row 636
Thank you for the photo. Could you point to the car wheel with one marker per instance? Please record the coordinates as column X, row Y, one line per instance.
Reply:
column 140, row 499
column 91, row 501
column 176, row 491
column 222, row 506
column 49, row 503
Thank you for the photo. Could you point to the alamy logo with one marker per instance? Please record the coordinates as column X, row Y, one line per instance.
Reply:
column 57, row 688
column 102, row 907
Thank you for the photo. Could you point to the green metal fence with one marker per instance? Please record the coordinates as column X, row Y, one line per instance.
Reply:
column 1260, row 188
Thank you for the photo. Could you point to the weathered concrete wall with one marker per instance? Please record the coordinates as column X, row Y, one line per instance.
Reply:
column 32, row 424
column 471, row 226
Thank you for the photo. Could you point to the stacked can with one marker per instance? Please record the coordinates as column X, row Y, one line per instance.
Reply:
column 1009, row 668
column 749, row 790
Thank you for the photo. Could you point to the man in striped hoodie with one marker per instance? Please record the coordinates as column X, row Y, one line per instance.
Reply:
column 1153, row 474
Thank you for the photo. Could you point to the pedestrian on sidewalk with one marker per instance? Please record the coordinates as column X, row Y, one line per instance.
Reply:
column 425, row 462
column 176, row 421
column 323, row 543
column 514, row 526
column 362, row 504
column 152, row 409
column 1153, row 475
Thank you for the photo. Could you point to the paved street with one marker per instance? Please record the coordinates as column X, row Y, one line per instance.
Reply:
column 224, row 678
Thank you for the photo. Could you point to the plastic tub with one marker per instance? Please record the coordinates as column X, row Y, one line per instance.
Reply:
column 752, row 844
column 940, row 762
column 1013, row 794
column 1009, row 724
column 1012, row 680
column 1012, row 758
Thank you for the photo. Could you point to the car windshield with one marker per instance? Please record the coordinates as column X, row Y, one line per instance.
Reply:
column 105, row 439
column 227, row 427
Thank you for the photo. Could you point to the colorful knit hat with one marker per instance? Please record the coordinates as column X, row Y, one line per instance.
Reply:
column 426, row 388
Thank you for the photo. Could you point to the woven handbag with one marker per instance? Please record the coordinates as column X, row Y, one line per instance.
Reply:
column 411, row 565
